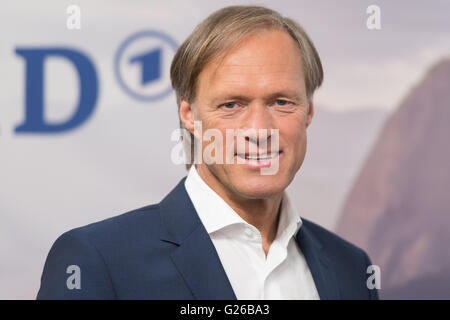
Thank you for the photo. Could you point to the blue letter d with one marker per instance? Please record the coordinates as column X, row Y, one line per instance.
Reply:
column 34, row 90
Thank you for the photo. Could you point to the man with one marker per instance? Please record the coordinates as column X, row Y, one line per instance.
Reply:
column 228, row 230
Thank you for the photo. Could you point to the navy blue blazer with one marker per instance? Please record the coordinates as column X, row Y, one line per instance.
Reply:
column 163, row 251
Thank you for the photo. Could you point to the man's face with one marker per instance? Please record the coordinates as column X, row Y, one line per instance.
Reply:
column 258, row 84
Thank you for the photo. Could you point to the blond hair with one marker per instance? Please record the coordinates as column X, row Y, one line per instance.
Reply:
column 218, row 33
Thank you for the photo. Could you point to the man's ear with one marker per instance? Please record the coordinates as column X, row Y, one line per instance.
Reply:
column 187, row 116
column 310, row 114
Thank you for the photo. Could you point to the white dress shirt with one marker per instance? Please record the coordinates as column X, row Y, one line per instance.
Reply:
column 283, row 274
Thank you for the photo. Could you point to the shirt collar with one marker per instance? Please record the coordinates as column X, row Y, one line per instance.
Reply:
column 216, row 214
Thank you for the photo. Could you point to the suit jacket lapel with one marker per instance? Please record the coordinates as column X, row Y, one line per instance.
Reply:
column 196, row 257
column 319, row 264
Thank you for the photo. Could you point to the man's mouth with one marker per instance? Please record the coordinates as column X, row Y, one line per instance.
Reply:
column 259, row 157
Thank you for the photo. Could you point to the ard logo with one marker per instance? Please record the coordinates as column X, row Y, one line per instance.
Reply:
column 141, row 66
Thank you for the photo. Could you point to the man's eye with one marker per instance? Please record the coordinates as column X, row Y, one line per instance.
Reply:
column 282, row 102
column 229, row 105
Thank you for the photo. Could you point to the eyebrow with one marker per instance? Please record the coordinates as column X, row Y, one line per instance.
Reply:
column 283, row 93
column 288, row 94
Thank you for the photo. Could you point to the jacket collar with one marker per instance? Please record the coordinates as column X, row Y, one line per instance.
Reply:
column 319, row 263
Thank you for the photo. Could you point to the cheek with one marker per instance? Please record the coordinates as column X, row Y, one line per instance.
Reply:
column 293, row 130
column 295, row 141
column 293, row 138
column 213, row 120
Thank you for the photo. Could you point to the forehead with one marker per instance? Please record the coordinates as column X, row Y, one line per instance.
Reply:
column 265, row 60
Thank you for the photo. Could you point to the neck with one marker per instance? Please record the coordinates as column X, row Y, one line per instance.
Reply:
column 262, row 213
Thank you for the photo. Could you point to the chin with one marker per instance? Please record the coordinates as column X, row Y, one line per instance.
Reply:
column 260, row 187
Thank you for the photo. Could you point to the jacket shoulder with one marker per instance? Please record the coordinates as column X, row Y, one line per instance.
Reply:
column 330, row 239
column 87, row 251
column 133, row 221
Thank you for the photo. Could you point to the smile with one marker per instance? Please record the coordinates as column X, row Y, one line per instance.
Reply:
column 257, row 157
column 268, row 161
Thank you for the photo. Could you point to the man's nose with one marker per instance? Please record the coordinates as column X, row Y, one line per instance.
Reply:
column 258, row 123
